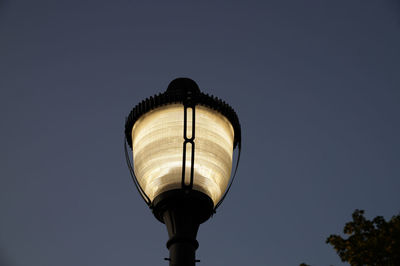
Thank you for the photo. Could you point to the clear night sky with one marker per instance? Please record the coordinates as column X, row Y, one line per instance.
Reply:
column 316, row 85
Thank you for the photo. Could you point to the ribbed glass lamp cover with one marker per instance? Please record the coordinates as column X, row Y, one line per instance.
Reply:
column 157, row 144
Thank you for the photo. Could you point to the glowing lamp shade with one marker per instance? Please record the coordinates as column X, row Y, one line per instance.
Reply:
column 157, row 144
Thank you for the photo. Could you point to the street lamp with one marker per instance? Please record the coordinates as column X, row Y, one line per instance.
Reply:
column 182, row 142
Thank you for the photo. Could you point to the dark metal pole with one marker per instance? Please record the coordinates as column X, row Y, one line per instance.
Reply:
column 182, row 211
column 182, row 243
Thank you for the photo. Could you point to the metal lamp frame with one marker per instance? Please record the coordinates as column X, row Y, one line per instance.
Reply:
column 186, row 92
column 184, row 209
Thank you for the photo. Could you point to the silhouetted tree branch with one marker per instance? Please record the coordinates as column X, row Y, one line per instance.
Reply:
column 374, row 242
column 369, row 243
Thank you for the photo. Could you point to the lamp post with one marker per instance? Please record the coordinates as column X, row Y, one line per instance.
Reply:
column 182, row 142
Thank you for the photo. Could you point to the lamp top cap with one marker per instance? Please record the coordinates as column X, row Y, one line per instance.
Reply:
column 182, row 90
column 183, row 86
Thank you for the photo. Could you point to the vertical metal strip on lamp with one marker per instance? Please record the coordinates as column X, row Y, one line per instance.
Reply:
column 233, row 177
column 135, row 181
column 185, row 142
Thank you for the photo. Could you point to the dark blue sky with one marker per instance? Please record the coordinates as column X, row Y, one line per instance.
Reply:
column 316, row 85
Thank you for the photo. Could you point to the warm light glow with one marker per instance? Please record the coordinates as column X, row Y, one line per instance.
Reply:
column 157, row 141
